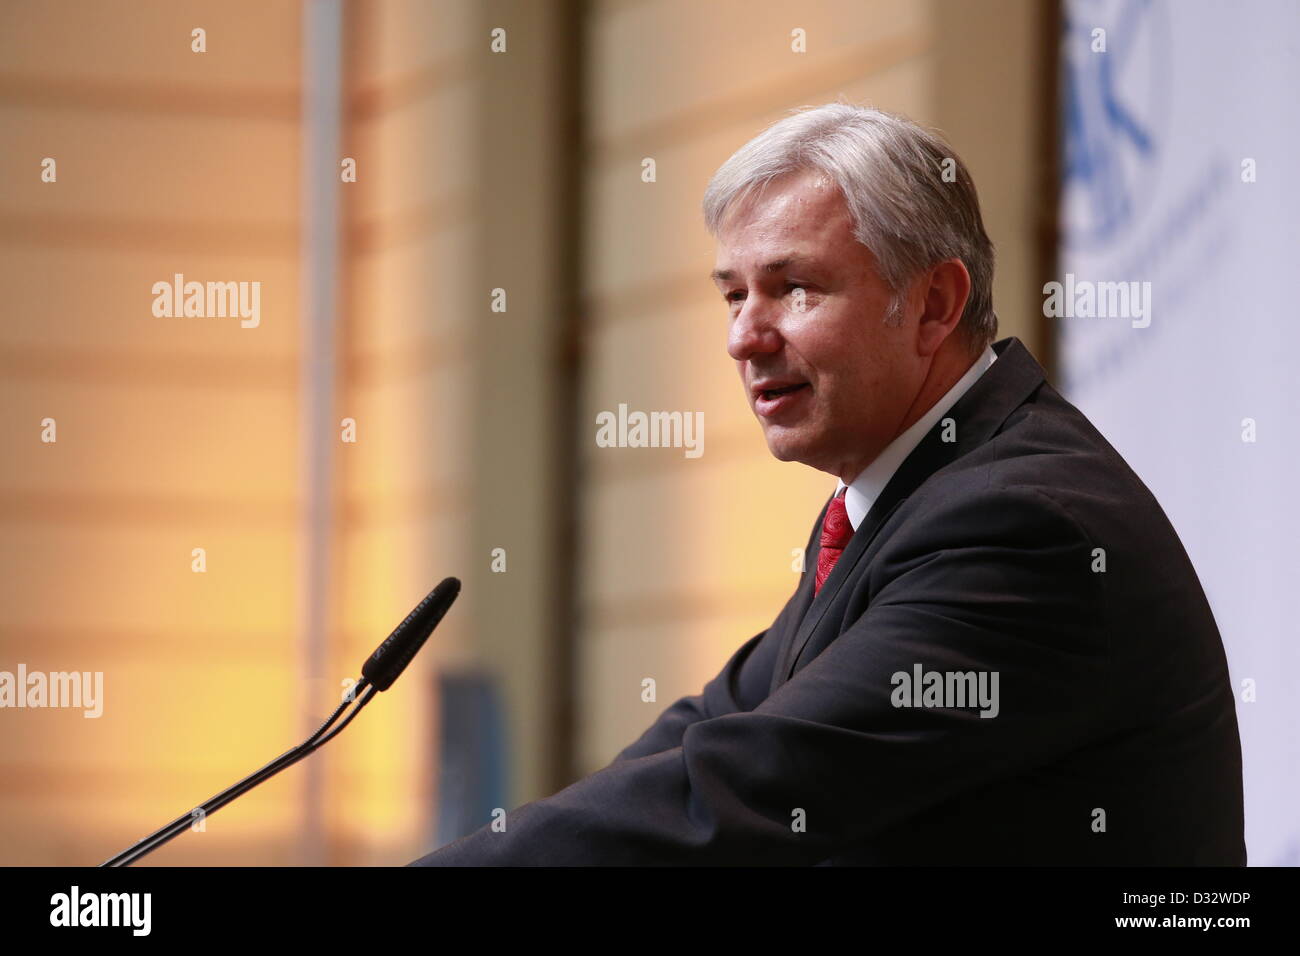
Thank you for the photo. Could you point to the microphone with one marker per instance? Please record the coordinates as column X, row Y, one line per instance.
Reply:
column 391, row 657
column 377, row 674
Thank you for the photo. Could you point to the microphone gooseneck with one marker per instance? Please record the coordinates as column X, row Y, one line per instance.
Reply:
column 377, row 674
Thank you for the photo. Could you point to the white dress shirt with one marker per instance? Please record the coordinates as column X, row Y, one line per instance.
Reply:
column 866, row 488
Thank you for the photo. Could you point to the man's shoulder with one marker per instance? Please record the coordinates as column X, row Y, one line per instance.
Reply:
column 1046, row 458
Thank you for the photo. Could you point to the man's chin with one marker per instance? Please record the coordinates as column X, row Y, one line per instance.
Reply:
column 785, row 447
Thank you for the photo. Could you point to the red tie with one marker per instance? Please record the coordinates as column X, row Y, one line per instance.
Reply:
column 836, row 534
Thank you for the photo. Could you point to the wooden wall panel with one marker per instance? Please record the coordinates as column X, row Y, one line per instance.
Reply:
column 173, row 433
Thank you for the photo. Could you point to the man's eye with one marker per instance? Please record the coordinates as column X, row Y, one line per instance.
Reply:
column 734, row 296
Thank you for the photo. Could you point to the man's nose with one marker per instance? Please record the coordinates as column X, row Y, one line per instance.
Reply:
column 754, row 329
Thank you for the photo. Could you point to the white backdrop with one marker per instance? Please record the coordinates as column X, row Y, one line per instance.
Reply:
column 1161, row 130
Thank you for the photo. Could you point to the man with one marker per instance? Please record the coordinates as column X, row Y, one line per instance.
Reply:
column 999, row 653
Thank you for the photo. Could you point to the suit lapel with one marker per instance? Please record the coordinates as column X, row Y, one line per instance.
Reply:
column 843, row 570
column 799, row 602
column 979, row 414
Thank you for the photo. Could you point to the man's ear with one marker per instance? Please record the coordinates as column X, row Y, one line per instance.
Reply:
column 946, row 289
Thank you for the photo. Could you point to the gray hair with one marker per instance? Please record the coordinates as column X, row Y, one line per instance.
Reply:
column 892, row 175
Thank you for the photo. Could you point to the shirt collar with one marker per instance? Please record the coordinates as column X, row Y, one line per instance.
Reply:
column 866, row 488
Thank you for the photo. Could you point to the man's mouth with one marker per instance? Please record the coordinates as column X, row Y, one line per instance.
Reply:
column 770, row 393
column 780, row 399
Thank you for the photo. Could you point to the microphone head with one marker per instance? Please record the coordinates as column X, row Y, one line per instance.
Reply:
column 391, row 657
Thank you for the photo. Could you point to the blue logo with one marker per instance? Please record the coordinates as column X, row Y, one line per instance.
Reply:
column 1115, row 101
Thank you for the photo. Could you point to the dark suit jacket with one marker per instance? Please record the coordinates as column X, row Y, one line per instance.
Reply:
column 1116, row 735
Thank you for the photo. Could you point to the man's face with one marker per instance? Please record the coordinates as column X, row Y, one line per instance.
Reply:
column 829, row 381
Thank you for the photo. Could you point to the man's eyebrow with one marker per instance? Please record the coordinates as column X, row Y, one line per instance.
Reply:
column 776, row 265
